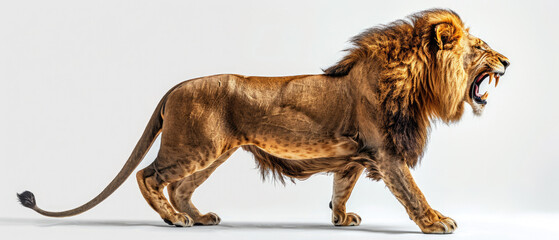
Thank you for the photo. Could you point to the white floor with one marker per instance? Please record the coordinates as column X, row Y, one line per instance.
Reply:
column 521, row 226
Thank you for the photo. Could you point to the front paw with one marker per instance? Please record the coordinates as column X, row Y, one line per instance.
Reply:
column 349, row 219
column 435, row 222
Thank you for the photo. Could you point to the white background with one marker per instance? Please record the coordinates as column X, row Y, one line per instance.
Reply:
column 79, row 80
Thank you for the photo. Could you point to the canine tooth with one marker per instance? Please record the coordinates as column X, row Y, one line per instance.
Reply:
column 485, row 95
column 497, row 80
column 490, row 77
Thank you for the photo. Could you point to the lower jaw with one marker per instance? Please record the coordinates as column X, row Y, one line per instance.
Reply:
column 472, row 96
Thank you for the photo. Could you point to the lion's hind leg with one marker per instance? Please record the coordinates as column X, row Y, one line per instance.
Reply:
column 180, row 192
column 170, row 167
column 152, row 182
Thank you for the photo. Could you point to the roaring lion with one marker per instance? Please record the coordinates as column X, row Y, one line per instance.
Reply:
column 369, row 112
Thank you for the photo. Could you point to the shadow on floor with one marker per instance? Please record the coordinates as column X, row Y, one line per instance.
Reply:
column 68, row 222
column 314, row 226
column 223, row 227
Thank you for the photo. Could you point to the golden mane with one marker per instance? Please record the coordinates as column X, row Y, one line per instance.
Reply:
column 416, row 81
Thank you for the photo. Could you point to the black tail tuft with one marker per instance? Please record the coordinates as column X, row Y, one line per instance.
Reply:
column 27, row 199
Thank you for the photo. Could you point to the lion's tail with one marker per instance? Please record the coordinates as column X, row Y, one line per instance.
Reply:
column 153, row 129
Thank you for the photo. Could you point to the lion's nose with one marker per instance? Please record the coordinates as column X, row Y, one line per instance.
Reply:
column 505, row 62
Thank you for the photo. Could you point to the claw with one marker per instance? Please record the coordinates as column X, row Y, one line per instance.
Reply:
column 445, row 227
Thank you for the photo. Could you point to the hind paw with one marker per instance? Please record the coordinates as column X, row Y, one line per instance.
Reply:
column 180, row 220
column 208, row 219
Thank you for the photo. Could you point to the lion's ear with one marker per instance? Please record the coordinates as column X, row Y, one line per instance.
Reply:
column 447, row 35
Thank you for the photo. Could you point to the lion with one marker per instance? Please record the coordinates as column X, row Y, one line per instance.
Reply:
column 370, row 112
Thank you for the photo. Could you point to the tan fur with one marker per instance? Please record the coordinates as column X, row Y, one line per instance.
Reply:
column 369, row 112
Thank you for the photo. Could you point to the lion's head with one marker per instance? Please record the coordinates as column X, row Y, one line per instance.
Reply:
column 459, row 63
column 430, row 61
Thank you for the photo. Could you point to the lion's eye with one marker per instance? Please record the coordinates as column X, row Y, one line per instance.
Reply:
column 479, row 47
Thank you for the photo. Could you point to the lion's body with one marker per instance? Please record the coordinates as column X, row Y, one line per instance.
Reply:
column 281, row 115
column 370, row 112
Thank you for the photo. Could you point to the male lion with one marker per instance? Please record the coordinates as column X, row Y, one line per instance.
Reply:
column 371, row 111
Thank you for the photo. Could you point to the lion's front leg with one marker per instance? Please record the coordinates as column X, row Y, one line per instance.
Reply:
column 396, row 175
column 344, row 181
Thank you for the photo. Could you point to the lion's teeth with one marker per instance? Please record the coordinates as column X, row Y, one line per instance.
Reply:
column 496, row 80
column 485, row 95
column 490, row 77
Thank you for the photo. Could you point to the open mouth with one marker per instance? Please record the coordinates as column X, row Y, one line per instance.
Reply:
column 481, row 98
